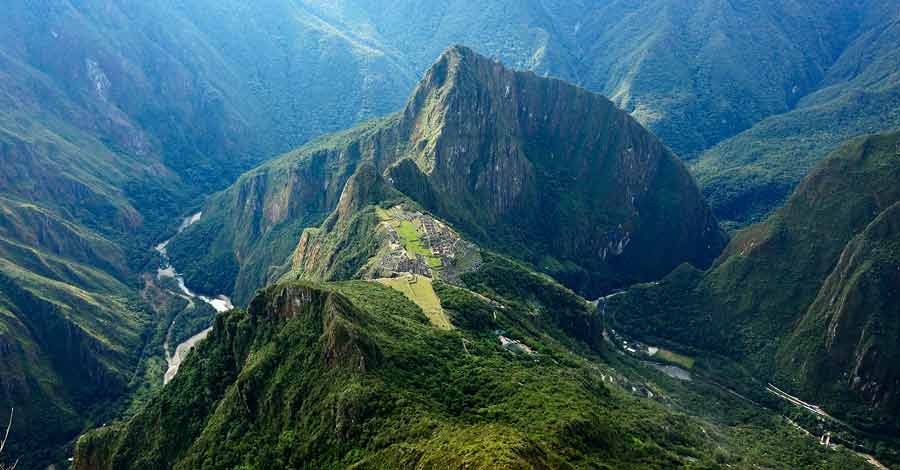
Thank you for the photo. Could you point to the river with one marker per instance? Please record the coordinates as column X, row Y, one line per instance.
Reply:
column 220, row 303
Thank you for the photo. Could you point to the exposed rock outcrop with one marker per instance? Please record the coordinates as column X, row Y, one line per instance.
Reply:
column 532, row 167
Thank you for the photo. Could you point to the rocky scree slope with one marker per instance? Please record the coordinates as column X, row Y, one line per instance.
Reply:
column 524, row 165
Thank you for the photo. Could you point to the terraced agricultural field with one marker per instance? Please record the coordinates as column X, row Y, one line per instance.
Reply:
column 419, row 289
column 410, row 236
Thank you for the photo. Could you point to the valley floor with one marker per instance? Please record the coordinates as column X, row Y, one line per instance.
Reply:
column 648, row 356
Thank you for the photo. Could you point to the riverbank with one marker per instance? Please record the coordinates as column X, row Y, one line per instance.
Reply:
column 220, row 303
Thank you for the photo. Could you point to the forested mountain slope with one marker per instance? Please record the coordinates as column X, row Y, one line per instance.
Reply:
column 358, row 375
column 118, row 117
column 807, row 298
column 535, row 168
column 747, row 176
column 695, row 72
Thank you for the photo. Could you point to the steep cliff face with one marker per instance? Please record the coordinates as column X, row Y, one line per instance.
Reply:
column 528, row 166
column 555, row 174
column 344, row 246
column 247, row 232
column 847, row 340
column 806, row 297
column 117, row 116
column 693, row 71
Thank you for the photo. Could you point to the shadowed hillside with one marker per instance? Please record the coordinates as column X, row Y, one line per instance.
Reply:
column 535, row 168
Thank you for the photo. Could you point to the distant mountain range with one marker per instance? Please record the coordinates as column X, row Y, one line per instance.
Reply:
column 118, row 119
column 746, row 176
column 424, row 348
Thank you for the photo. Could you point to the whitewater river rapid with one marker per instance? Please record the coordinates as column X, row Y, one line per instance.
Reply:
column 220, row 303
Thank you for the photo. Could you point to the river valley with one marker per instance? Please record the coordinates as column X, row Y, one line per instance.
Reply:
column 221, row 303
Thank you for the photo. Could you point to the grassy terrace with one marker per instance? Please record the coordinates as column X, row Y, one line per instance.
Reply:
column 410, row 237
column 674, row 358
column 419, row 289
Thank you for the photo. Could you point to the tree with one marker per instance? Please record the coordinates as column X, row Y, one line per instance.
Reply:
column 4, row 466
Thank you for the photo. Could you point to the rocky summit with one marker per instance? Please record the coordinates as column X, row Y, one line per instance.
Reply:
column 531, row 167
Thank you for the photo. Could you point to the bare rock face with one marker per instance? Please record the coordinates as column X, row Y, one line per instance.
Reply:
column 322, row 252
column 543, row 168
column 527, row 166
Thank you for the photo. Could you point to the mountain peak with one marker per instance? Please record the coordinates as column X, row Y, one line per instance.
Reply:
column 474, row 86
column 458, row 51
column 455, row 62
column 527, row 166
column 505, row 146
column 459, row 55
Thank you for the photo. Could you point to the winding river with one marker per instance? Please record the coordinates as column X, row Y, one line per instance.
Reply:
column 220, row 303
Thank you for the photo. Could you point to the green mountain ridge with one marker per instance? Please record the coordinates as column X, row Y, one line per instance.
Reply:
column 353, row 375
column 751, row 174
column 73, row 355
column 804, row 298
column 690, row 71
column 559, row 178
column 311, row 374
column 119, row 118
column 855, row 311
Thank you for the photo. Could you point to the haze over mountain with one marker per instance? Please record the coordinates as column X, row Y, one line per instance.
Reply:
column 120, row 119
column 748, row 175
column 695, row 72
column 444, row 353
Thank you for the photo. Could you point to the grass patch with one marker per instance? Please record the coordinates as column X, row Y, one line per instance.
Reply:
column 420, row 290
column 383, row 214
column 675, row 358
column 409, row 237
